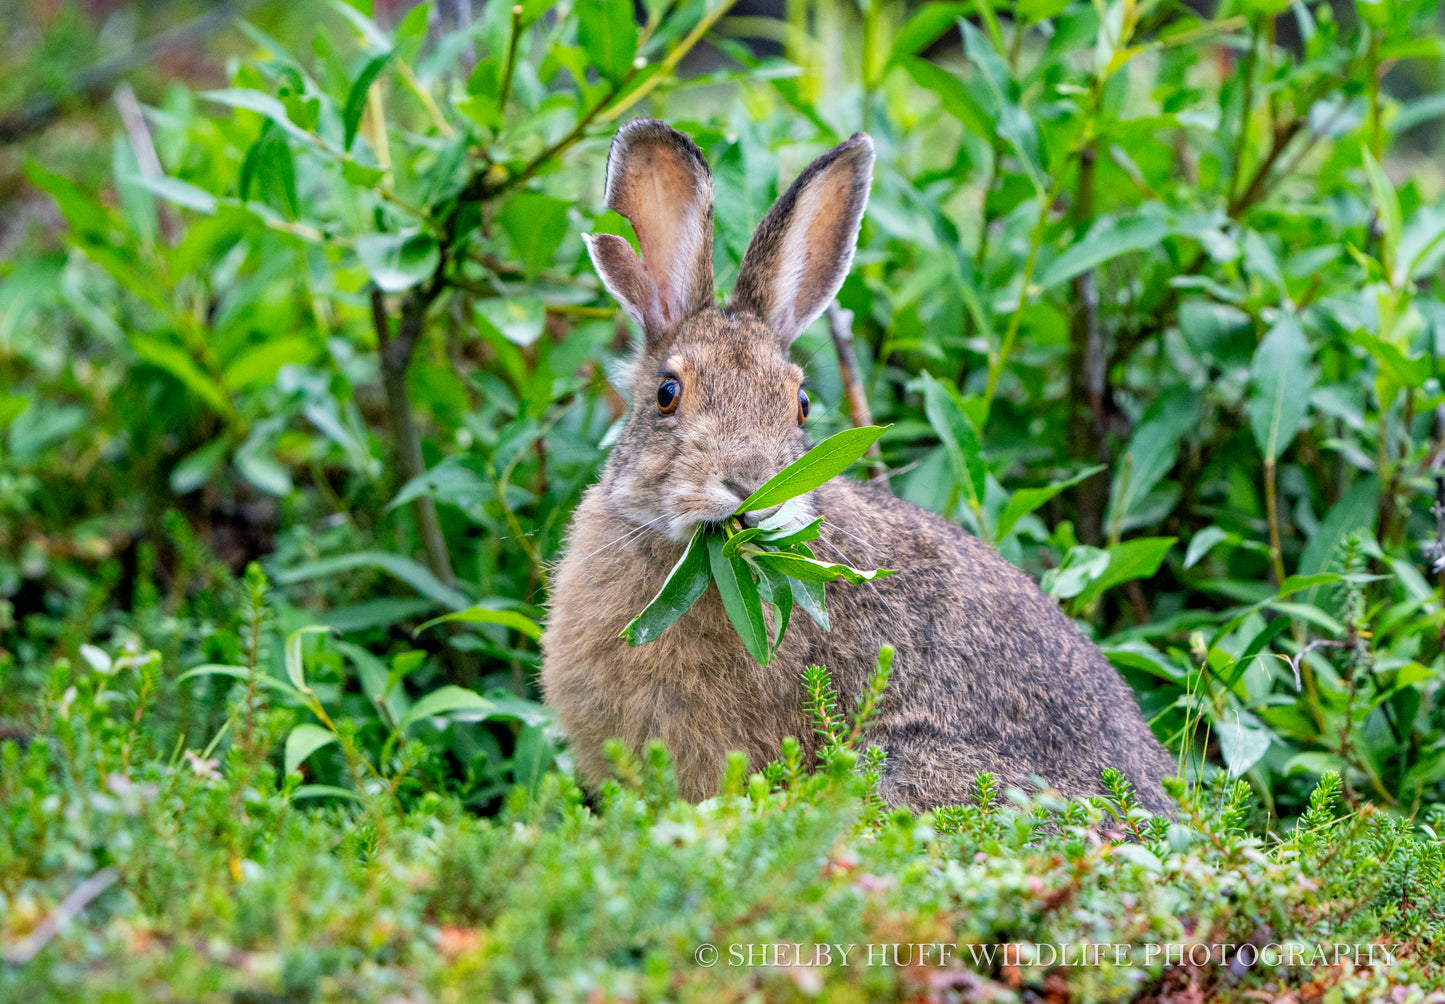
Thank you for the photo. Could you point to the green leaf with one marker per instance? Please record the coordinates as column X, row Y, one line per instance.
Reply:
column 1395, row 367
column 685, row 582
column 361, row 175
column 740, row 599
column 367, row 615
column 365, row 26
column 1108, row 238
column 956, row 96
column 1152, row 452
column 1314, row 763
column 782, row 537
column 928, row 25
column 403, row 664
column 373, row 676
column 1280, row 384
column 262, row 470
column 772, row 537
column 520, row 320
column 1081, row 565
column 356, row 97
column 946, row 414
column 303, row 741
column 1241, row 745
column 797, row 566
column 812, row 597
column 262, row 104
column 85, row 214
column 138, row 205
column 241, row 673
column 1387, row 204
column 1026, row 500
column 782, row 617
column 782, row 614
column 413, row 27
column 28, row 285
column 441, row 701
column 485, row 615
column 295, row 667
column 1140, row 855
column 608, row 31
column 458, row 480
column 1034, row 11
column 1201, row 544
column 1297, row 583
column 417, row 576
column 196, row 468
column 400, row 260
column 509, row 705
column 178, row 363
column 182, row 193
column 536, row 224
column 781, row 516
column 1133, row 559
column 324, row 791
column 737, row 540
column 261, row 363
column 819, row 465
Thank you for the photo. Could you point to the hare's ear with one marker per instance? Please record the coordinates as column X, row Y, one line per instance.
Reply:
column 801, row 252
column 658, row 179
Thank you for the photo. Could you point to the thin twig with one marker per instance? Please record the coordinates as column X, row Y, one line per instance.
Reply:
column 1271, row 504
column 396, row 356
column 70, row 907
column 139, row 136
column 840, row 324
column 1294, row 660
column 506, row 89
column 1088, row 369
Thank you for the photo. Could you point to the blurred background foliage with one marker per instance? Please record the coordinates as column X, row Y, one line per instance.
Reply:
column 1148, row 292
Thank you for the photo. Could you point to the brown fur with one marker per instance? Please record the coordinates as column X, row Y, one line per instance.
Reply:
column 989, row 673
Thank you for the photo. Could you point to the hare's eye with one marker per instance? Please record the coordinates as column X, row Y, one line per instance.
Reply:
column 667, row 396
column 803, row 405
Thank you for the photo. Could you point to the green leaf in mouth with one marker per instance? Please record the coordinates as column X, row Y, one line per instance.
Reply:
column 685, row 583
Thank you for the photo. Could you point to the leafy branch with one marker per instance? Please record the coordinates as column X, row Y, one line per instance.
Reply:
column 766, row 563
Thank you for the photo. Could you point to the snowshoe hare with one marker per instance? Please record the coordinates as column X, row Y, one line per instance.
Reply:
column 989, row 673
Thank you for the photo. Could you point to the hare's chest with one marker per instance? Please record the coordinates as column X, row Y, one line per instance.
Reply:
column 694, row 688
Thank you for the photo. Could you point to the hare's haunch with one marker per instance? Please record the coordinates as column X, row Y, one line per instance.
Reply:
column 989, row 673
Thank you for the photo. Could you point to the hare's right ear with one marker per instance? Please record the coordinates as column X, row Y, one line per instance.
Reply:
column 657, row 178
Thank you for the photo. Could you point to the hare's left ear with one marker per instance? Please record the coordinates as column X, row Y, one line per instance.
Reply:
column 802, row 250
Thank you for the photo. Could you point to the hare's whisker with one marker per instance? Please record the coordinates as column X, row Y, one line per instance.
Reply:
column 635, row 530
column 848, row 561
column 845, row 533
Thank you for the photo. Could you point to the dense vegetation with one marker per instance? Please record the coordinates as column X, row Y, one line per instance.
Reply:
column 298, row 391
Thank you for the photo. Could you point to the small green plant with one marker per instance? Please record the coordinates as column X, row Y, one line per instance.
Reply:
column 769, row 563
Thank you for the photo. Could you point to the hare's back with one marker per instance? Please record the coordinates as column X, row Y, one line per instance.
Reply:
column 989, row 672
